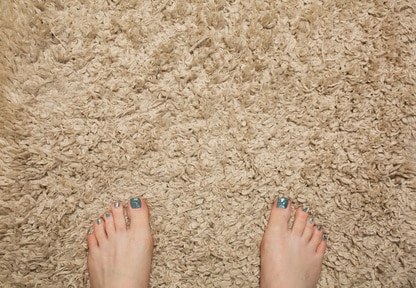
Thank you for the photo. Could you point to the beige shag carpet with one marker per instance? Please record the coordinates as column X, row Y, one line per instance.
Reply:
column 210, row 110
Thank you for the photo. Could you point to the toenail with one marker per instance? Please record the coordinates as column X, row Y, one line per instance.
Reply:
column 90, row 230
column 107, row 215
column 305, row 209
column 311, row 220
column 324, row 236
column 117, row 204
column 319, row 227
column 282, row 202
column 99, row 221
column 135, row 203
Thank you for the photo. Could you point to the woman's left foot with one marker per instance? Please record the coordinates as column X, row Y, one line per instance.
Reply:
column 120, row 254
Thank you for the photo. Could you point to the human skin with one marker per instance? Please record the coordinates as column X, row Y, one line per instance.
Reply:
column 291, row 257
column 120, row 253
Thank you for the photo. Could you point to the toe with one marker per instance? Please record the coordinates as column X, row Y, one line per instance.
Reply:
column 301, row 219
column 138, row 214
column 99, row 230
column 309, row 228
column 91, row 239
column 117, row 212
column 280, row 215
column 316, row 237
column 109, row 223
column 322, row 247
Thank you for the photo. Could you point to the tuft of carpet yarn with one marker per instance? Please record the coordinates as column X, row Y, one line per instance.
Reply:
column 209, row 110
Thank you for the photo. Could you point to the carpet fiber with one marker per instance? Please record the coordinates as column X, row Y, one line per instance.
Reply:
column 209, row 110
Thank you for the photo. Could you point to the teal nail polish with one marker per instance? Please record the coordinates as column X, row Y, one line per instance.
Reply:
column 311, row 220
column 90, row 230
column 135, row 203
column 282, row 202
column 305, row 209
column 319, row 227
column 99, row 221
column 324, row 237
column 117, row 204
column 107, row 215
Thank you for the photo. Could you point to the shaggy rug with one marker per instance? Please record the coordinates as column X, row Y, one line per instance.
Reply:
column 209, row 110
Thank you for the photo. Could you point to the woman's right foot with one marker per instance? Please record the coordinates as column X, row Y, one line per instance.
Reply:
column 291, row 258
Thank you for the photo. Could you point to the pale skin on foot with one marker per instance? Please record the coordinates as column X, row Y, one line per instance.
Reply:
column 120, row 255
column 291, row 258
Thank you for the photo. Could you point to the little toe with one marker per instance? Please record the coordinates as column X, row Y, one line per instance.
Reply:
column 91, row 239
column 109, row 223
column 280, row 214
column 117, row 211
column 316, row 237
column 301, row 219
column 99, row 230
column 322, row 246
column 309, row 228
column 138, row 214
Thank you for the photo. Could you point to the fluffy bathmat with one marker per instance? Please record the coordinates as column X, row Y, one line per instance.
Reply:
column 209, row 110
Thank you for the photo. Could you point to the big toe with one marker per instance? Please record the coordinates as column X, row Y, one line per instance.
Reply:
column 280, row 215
column 138, row 214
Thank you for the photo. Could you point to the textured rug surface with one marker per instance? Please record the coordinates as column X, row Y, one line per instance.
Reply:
column 209, row 110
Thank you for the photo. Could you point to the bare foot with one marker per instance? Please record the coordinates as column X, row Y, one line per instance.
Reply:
column 120, row 255
column 291, row 258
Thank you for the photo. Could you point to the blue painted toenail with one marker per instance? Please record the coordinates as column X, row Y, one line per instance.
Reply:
column 107, row 215
column 305, row 209
column 90, row 230
column 117, row 204
column 311, row 220
column 135, row 203
column 319, row 227
column 99, row 221
column 324, row 237
column 282, row 202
